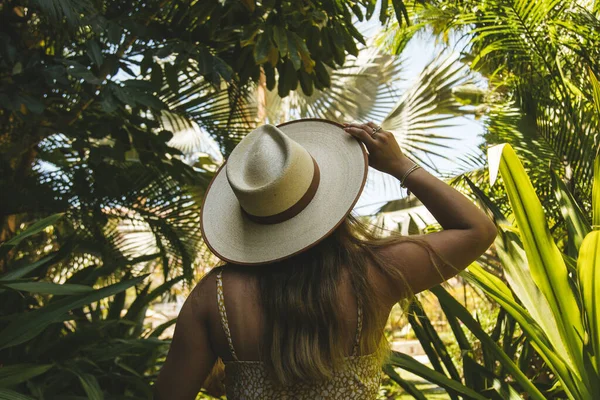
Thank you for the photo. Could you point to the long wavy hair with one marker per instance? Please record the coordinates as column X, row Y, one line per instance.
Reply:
column 306, row 337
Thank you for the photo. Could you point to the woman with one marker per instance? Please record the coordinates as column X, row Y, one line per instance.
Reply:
column 298, row 309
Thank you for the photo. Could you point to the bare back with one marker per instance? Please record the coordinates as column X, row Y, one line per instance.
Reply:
column 246, row 317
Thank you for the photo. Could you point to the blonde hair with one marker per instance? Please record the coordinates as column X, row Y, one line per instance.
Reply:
column 306, row 338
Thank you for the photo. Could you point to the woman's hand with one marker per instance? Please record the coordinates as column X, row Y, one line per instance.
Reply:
column 385, row 154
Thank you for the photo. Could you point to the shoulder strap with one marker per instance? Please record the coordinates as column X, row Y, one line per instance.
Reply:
column 223, row 313
column 358, row 327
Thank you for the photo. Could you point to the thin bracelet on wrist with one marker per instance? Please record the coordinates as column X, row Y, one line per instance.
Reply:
column 407, row 173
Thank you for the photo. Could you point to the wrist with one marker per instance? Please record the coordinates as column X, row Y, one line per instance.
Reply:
column 399, row 168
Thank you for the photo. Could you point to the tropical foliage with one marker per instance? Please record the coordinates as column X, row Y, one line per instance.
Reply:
column 538, row 59
column 548, row 296
column 114, row 115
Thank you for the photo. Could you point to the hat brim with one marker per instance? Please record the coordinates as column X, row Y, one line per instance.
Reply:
column 343, row 166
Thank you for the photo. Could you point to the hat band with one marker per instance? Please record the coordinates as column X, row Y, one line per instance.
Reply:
column 295, row 208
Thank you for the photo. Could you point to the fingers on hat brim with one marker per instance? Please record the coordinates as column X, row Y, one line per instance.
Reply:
column 360, row 134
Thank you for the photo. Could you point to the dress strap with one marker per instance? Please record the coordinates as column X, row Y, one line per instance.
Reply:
column 223, row 313
column 359, row 324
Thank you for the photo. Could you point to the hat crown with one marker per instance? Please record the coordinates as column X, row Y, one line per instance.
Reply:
column 269, row 172
column 260, row 162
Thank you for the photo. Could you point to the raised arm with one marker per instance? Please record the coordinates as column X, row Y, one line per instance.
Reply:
column 467, row 233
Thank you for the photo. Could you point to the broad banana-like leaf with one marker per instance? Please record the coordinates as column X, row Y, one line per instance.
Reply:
column 498, row 291
column 548, row 269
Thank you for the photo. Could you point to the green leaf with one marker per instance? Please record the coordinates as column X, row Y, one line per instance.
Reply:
column 94, row 52
column 162, row 327
column 30, row 324
column 20, row 272
column 48, row 288
column 408, row 387
column 454, row 308
column 171, row 74
column 11, row 375
column 90, row 386
column 156, row 76
column 280, row 39
column 146, row 63
column 306, row 82
column 7, row 394
column 262, row 47
column 577, row 223
column 143, row 299
column 545, row 260
column 596, row 194
column 498, row 291
column 383, row 11
column 114, row 32
column 588, row 266
column 293, row 51
column 322, row 74
column 408, row 363
column 31, row 230
column 595, row 90
column 401, row 12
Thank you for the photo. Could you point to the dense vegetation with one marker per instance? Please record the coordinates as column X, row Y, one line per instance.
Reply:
column 114, row 115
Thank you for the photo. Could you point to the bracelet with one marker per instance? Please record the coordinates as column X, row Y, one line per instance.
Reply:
column 408, row 172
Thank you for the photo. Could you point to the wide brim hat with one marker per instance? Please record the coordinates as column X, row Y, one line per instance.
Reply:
column 232, row 231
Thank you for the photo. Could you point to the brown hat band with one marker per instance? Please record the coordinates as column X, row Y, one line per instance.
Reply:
column 295, row 208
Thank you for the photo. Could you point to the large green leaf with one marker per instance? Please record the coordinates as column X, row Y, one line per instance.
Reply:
column 11, row 375
column 30, row 324
column 545, row 261
column 514, row 262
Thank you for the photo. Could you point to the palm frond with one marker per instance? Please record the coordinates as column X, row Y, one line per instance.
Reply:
column 427, row 107
column 361, row 90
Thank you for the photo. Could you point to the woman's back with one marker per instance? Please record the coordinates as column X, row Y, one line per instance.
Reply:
column 246, row 316
column 238, row 332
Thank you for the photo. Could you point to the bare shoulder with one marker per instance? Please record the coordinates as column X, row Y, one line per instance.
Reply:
column 203, row 297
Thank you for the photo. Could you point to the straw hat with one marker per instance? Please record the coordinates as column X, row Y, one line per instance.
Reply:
column 282, row 190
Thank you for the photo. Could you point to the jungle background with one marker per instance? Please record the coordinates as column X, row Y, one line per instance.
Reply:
column 115, row 115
